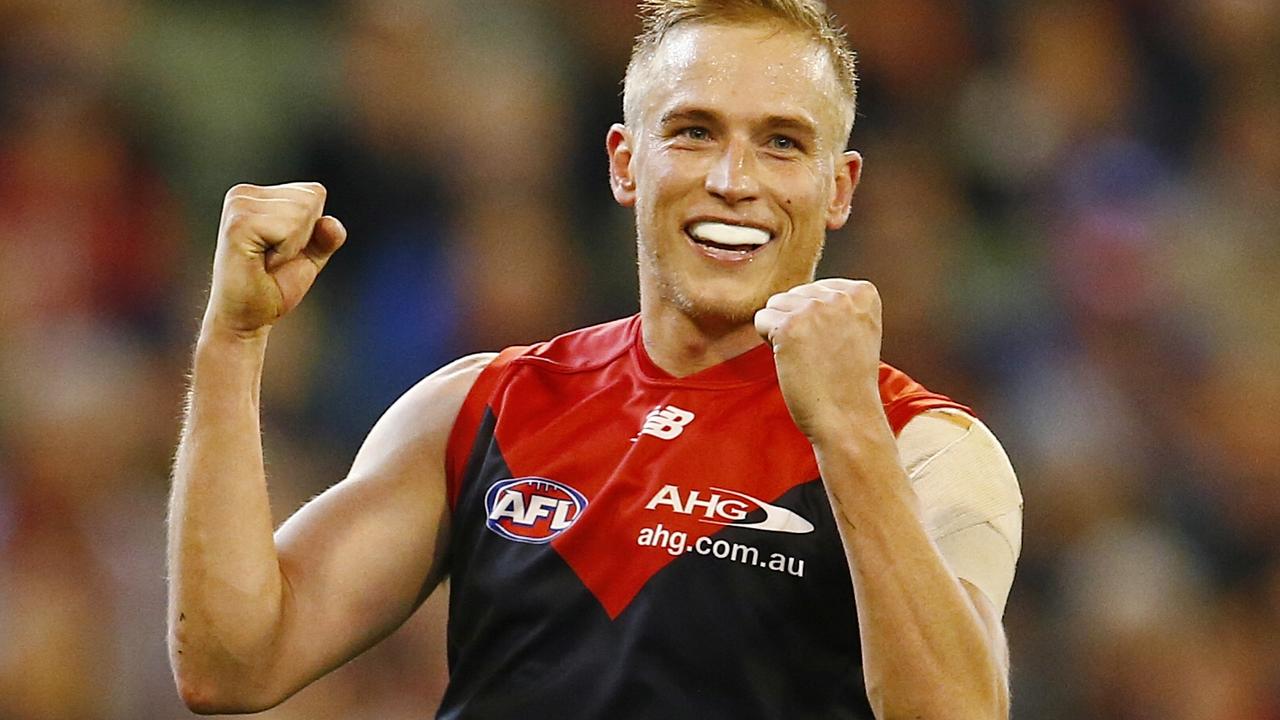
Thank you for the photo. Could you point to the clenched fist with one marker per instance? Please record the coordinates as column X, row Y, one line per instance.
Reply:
column 272, row 242
column 826, row 345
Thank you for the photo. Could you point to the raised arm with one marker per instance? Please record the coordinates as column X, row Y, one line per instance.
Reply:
column 255, row 616
column 933, row 647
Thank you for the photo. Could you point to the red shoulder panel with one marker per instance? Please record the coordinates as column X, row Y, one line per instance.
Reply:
column 470, row 415
column 905, row 398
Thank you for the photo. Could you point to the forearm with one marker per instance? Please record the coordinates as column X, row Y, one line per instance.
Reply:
column 926, row 651
column 225, row 587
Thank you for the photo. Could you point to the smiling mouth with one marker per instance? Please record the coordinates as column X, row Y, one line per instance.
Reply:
column 727, row 239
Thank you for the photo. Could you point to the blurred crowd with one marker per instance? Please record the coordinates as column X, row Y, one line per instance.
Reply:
column 1071, row 209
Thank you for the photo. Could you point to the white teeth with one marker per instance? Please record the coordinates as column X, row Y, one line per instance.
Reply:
column 725, row 234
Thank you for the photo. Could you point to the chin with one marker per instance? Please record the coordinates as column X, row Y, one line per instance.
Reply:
column 721, row 310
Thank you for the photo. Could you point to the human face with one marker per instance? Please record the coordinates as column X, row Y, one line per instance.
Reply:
column 738, row 126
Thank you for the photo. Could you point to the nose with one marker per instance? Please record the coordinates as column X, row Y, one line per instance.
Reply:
column 732, row 176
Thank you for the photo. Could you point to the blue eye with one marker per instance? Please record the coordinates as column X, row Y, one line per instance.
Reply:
column 782, row 142
column 696, row 133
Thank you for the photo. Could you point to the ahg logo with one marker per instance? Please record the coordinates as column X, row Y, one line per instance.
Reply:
column 729, row 507
column 532, row 509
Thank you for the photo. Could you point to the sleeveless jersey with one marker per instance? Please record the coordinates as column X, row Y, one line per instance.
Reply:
column 628, row 544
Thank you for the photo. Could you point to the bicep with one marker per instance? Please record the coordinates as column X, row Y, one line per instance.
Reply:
column 989, row 616
column 358, row 559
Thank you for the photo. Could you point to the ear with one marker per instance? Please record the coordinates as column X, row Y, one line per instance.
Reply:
column 621, row 179
column 848, row 173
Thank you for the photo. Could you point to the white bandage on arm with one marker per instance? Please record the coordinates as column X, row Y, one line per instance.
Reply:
column 969, row 497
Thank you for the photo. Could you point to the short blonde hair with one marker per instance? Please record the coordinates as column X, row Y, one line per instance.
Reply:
column 808, row 17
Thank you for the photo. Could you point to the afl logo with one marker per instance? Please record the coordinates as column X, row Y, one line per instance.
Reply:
column 532, row 509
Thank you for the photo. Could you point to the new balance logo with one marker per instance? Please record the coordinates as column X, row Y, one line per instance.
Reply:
column 665, row 423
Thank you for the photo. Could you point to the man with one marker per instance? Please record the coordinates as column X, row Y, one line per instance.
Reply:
column 701, row 511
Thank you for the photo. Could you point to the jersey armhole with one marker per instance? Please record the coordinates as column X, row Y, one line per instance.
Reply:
column 903, row 409
column 463, row 436
column 905, row 398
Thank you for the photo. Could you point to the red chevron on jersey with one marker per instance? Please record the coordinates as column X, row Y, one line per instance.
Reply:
column 638, row 468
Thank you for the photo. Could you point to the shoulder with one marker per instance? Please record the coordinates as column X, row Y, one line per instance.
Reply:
column 959, row 470
column 970, row 502
column 442, row 392
column 427, row 411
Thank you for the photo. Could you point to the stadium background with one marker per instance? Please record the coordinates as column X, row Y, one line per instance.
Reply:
column 1071, row 208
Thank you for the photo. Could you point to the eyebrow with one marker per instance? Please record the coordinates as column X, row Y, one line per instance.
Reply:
column 791, row 122
column 778, row 122
column 688, row 115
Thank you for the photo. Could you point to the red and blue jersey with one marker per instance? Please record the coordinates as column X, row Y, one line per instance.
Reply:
column 628, row 544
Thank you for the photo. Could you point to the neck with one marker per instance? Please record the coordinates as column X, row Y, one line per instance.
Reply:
column 683, row 345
